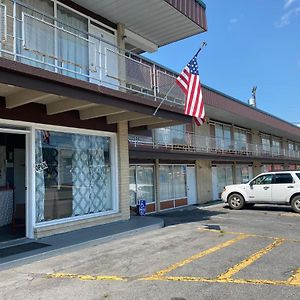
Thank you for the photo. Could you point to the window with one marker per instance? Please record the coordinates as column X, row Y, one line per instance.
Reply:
column 276, row 146
column 180, row 181
column 266, row 168
column 225, row 176
column 263, row 179
column 223, row 136
column 141, row 184
column 283, row 178
column 240, row 139
column 243, row 173
column 171, row 135
column 72, row 43
column 172, row 182
column 266, row 143
column 298, row 175
column 73, row 175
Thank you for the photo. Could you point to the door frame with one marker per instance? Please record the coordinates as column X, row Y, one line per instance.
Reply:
column 28, row 159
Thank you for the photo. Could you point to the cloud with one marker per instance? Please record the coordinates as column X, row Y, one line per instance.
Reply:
column 233, row 20
column 292, row 10
column 288, row 3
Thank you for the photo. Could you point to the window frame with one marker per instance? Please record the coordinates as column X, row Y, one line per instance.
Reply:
column 114, row 173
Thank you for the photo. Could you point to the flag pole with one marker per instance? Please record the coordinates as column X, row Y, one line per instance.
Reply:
column 163, row 100
column 165, row 97
column 204, row 44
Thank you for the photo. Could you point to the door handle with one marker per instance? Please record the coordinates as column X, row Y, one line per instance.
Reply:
column 266, row 187
column 290, row 187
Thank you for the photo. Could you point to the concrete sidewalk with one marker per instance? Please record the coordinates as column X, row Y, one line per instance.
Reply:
column 14, row 253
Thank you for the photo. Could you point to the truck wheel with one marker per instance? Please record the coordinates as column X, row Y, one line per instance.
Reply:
column 236, row 201
column 295, row 203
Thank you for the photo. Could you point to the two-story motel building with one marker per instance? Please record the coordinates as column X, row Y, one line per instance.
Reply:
column 79, row 144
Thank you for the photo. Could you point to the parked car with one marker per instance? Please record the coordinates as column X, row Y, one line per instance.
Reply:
column 282, row 187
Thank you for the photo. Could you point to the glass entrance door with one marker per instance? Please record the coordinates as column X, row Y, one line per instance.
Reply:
column 12, row 184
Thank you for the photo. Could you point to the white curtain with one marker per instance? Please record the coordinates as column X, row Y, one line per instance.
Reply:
column 98, row 176
column 39, row 178
column 38, row 37
column 73, row 48
column 91, row 181
column 81, row 175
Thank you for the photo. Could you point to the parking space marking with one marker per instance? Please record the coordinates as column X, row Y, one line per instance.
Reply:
column 249, row 234
column 230, row 280
column 84, row 277
column 225, row 277
column 197, row 256
column 250, row 260
column 295, row 278
column 290, row 214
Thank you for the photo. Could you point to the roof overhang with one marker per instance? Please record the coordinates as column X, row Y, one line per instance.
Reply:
column 226, row 109
column 160, row 22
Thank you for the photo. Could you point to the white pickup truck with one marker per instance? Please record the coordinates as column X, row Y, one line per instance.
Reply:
column 282, row 187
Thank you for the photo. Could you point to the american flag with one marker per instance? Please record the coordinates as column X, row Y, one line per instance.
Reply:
column 189, row 82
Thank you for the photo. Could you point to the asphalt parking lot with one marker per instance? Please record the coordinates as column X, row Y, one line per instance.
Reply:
column 202, row 253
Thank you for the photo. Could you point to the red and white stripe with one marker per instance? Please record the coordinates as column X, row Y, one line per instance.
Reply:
column 191, row 86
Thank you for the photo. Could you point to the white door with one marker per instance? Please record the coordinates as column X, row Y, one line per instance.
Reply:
column 103, row 58
column 260, row 189
column 214, row 178
column 282, row 187
column 191, row 185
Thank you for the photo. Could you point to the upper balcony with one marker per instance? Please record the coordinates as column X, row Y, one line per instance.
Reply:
column 77, row 47
column 206, row 146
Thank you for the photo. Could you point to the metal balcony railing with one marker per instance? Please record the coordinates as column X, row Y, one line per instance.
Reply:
column 36, row 38
column 204, row 144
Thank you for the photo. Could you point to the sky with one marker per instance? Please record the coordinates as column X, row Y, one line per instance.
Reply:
column 249, row 43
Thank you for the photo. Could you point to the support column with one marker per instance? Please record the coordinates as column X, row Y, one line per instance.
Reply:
column 123, row 160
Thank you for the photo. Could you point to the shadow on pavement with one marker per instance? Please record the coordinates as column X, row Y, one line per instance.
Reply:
column 267, row 207
column 189, row 215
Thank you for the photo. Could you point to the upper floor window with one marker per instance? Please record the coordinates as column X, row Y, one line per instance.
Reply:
column 240, row 138
column 171, row 135
column 223, row 136
column 265, row 142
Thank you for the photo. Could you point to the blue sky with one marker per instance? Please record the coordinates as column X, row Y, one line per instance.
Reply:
column 250, row 43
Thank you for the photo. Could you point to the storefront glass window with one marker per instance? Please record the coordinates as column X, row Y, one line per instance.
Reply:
column 243, row 173
column 225, row 177
column 166, row 182
column 73, row 175
column 141, row 184
column 180, row 182
column 172, row 182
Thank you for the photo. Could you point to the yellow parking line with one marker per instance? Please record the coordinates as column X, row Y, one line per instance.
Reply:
column 290, row 214
column 230, row 280
column 84, row 277
column 250, row 260
column 196, row 256
column 249, row 234
column 295, row 278
column 293, row 281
